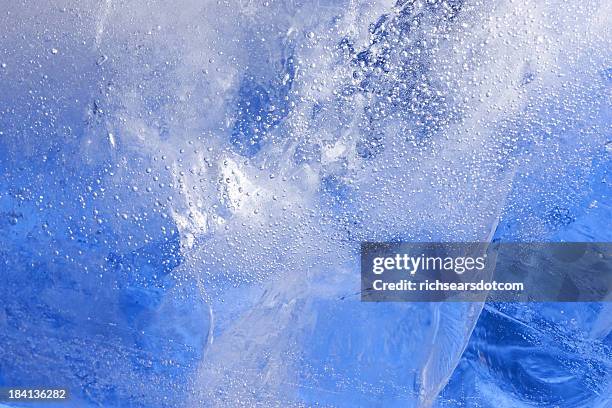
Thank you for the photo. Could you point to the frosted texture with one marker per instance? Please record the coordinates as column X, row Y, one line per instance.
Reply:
column 185, row 185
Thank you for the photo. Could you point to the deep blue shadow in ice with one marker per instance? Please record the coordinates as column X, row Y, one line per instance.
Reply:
column 143, row 276
column 79, row 313
column 259, row 108
column 541, row 369
column 544, row 354
column 252, row 122
column 336, row 191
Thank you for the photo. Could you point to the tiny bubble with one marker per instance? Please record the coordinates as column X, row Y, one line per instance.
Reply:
column 101, row 60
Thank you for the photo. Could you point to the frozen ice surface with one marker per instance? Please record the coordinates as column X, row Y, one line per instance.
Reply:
column 543, row 354
column 185, row 187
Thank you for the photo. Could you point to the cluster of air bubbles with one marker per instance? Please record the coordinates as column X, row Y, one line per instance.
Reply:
column 261, row 145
